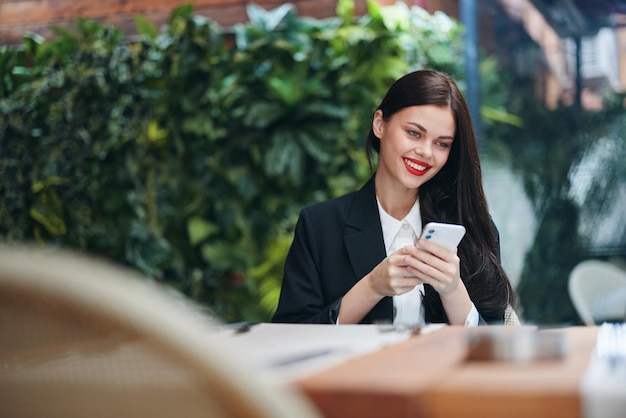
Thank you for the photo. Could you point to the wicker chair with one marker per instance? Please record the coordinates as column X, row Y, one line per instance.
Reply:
column 80, row 337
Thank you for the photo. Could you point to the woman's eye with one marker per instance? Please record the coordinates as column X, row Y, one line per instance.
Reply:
column 415, row 134
column 442, row 144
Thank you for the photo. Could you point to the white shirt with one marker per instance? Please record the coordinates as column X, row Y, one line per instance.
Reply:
column 408, row 309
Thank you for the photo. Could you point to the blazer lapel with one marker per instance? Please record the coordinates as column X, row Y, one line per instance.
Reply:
column 363, row 233
column 365, row 244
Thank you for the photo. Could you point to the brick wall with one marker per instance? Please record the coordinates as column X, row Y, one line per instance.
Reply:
column 19, row 16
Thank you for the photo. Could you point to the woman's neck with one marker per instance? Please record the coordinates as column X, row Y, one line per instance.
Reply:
column 396, row 200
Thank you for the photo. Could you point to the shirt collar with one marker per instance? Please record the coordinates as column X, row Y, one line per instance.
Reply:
column 391, row 225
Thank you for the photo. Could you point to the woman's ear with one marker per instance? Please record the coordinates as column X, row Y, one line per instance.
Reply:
column 378, row 123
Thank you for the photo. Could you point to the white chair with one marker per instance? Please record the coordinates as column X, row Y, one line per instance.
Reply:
column 80, row 337
column 598, row 291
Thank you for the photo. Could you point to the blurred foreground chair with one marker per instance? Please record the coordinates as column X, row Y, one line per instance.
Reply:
column 598, row 291
column 510, row 316
column 83, row 338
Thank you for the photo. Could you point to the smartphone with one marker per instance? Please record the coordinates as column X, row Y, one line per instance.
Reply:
column 447, row 235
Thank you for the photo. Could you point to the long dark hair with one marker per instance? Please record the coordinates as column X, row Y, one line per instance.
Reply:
column 455, row 195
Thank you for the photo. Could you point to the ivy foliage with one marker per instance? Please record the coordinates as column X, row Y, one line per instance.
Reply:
column 187, row 152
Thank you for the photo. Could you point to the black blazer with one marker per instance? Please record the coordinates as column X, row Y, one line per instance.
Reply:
column 336, row 243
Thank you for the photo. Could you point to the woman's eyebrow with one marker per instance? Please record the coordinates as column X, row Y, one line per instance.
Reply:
column 421, row 128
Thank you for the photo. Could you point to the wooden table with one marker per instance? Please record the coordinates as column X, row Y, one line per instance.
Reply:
column 430, row 376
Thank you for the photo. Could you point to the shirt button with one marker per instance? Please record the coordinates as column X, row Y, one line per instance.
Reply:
column 405, row 226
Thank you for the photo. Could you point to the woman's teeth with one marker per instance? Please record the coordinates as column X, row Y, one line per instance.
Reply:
column 415, row 166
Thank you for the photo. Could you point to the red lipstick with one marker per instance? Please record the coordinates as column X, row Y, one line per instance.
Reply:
column 416, row 167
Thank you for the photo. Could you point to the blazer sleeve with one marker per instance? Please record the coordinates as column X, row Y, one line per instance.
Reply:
column 302, row 296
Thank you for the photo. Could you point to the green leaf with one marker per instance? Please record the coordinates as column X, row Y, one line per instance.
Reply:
column 501, row 116
column 145, row 27
column 395, row 19
column 199, row 229
column 318, row 151
column 21, row 71
column 218, row 255
column 156, row 134
column 373, row 9
column 268, row 20
column 32, row 41
column 262, row 114
column 49, row 181
column 48, row 211
column 345, row 10
column 182, row 12
column 63, row 33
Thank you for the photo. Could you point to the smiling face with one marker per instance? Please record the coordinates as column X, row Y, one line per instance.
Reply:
column 415, row 144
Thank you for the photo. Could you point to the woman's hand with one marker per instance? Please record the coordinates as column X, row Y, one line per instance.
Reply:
column 389, row 278
column 400, row 272
column 434, row 265
column 392, row 275
column 441, row 269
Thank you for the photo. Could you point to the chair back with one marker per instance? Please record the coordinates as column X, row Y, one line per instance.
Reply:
column 81, row 337
column 598, row 291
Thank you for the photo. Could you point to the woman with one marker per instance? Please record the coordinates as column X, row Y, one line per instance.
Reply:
column 355, row 259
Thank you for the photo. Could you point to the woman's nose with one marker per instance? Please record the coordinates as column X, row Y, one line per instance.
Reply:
column 424, row 148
